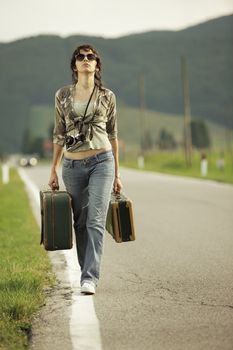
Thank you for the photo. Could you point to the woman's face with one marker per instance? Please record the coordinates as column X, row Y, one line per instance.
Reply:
column 87, row 64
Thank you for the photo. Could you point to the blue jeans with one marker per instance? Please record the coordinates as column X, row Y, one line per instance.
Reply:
column 89, row 182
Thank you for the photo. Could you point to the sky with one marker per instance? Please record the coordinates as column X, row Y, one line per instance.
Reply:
column 106, row 18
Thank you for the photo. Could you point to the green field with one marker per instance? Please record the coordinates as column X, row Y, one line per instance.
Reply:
column 24, row 266
column 130, row 124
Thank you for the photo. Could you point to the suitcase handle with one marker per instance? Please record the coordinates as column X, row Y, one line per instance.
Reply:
column 117, row 195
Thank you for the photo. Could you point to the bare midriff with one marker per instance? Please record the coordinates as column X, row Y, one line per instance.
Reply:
column 83, row 154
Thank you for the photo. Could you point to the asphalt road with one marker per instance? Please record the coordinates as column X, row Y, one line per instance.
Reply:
column 171, row 289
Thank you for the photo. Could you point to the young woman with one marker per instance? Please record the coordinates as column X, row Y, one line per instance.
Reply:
column 85, row 123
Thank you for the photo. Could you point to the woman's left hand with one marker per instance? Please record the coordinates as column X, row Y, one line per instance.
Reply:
column 117, row 185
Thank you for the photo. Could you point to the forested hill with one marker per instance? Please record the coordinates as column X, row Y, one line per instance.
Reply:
column 32, row 69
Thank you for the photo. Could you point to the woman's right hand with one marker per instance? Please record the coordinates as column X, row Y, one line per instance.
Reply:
column 53, row 181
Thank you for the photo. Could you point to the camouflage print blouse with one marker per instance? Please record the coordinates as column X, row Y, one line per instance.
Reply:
column 99, row 125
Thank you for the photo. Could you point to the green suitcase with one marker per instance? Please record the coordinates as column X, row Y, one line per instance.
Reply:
column 56, row 220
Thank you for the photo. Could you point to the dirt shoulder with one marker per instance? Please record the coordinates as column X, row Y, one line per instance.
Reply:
column 50, row 328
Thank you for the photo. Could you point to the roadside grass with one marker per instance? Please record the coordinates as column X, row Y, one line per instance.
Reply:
column 25, row 269
column 174, row 163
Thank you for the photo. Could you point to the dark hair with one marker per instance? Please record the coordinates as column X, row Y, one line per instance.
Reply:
column 87, row 47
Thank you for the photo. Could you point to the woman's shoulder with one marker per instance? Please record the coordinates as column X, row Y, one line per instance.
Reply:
column 63, row 91
column 108, row 93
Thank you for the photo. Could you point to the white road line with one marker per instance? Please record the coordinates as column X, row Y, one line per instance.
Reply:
column 84, row 324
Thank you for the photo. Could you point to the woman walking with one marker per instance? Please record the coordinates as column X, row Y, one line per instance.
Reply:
column 85, row 123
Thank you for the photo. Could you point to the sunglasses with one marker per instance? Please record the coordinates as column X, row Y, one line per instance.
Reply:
column 89, row 56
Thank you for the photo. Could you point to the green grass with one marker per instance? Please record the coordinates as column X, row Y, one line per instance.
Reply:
column 24, row 266
column 130, row 123
column 174, row 163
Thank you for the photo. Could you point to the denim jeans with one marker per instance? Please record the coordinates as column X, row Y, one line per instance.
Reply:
column 89, row 182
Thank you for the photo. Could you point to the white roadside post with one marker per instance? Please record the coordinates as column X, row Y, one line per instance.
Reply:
column 141, row 162
column 204, row 165
column 5, row 173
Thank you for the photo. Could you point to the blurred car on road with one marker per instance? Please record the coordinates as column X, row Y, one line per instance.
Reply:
column 28, row 160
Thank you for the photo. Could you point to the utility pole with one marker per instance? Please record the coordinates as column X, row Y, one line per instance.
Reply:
column 142, row 105
column 187, row 114
column 228, row 132
column 227, row 129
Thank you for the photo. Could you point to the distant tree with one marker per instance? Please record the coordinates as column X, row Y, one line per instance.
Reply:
column 200, row 134
column 166, row 140
column 32, row 145
column 37, row 146
column 50, row 130
column 147, row 142
column 26, row 141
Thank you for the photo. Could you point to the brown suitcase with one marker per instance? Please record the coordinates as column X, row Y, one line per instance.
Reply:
column 120, row 222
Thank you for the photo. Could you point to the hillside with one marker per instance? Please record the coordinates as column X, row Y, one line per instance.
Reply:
column 32, row 69
column 41, row 118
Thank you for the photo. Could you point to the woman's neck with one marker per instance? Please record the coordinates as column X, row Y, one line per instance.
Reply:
column 85, row 82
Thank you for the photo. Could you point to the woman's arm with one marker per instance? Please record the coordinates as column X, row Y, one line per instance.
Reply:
column 117, row 185
column 58, row 141
column 57, row 153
